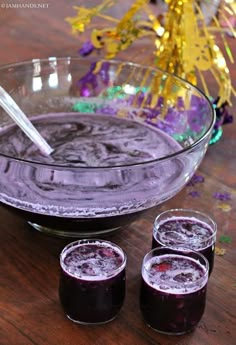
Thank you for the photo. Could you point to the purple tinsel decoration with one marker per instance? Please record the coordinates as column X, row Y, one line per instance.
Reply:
column 222, row 115
column 92, row 83
column 86, row 49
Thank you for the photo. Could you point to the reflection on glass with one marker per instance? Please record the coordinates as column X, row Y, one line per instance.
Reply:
column 37, row 83
column 53, row 80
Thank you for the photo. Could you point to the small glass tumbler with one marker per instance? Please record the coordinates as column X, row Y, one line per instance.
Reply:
column 186, row 228
column 173, row 289
column 92, row 281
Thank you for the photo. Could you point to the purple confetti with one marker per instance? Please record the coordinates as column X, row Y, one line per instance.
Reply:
column 222, row 196
column 195, row 180
column 194, row 194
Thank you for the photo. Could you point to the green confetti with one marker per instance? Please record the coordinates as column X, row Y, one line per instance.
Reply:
column 225, row 239
column 84, row 107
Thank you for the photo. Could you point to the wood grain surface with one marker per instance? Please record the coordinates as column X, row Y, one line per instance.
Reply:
column 30, row 312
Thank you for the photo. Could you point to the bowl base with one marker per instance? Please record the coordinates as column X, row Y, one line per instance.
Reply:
column 71, row 234
column 75, row 227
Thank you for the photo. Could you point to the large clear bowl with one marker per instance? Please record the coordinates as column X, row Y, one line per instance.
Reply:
column 70, row 197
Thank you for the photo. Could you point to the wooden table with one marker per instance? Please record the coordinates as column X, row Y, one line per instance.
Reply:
column 30, row 313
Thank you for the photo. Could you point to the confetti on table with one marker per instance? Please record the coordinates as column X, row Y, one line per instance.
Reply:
column 222, row 196
column 224, row 207
column 220, row 251
column 225, row 239
column 195, row 180
column 194, row 194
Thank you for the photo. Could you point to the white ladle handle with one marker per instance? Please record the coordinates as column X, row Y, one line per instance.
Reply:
column 13, row 110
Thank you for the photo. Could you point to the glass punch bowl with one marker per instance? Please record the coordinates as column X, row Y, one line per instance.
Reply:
column 126, row 138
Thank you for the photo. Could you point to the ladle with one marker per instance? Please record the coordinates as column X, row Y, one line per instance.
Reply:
column 13, row 110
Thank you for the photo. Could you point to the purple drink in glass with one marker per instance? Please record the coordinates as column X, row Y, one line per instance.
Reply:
column 92, row 281
column 173, row 289
column 186, row 228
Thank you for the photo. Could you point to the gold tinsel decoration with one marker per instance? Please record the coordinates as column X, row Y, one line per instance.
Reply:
column 184, row 44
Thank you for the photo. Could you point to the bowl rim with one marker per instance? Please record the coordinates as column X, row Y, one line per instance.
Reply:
column 113, row 61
